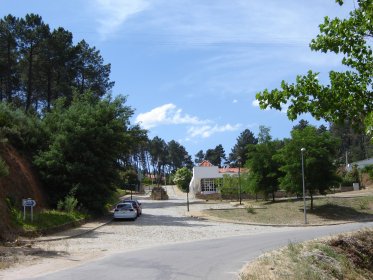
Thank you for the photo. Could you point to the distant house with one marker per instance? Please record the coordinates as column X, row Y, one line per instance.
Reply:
column 360, row 164
column 205, row 175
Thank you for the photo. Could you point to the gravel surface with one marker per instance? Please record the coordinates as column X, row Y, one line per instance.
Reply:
column 162, row 222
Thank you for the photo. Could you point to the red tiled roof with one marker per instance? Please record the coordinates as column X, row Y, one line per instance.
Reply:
column 232, row 170
column 205, row 163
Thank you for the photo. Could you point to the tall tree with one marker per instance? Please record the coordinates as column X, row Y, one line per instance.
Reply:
column 159, row 156
column 9, row 77
column 264, row 169
column 216, row 156
column 199, row 157
column 320, row 171
column 33, row 32
column 85, row 141
column 264, row 135
column 349, row 95
column 54, row 70
column 240, row 148
column 91, row 72
column 354, row 145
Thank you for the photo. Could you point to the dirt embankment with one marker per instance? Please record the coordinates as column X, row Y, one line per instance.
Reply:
column 21, row 182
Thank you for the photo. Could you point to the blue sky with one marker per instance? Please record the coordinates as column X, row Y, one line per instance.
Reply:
column 191, row 68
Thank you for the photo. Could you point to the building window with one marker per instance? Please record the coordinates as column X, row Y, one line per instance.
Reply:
column 209, row 184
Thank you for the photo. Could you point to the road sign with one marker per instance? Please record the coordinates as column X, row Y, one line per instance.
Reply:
column 28, row 202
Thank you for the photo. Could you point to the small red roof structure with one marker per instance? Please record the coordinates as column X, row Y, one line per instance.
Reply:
column 232, row 170
column 205, row 163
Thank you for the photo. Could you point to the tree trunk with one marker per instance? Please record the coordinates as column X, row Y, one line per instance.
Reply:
column 29, row 81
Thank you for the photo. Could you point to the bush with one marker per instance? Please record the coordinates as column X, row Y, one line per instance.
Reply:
column 4, row 170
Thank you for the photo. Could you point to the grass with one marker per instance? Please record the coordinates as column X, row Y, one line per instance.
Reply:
column 47, row 219
column 348, row 256
column 290, row 212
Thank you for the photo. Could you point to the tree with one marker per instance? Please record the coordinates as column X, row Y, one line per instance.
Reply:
column 33, row 32
column 216, row 156
column 354, row 145
column 199, row 157
column 177, row 154
column 182, row 178
column 9, row 77
column 264, row 135
column 320, row 172
column 240, row 148
column 349, row 95
column 38, row 65
column 264, row 170
column 85, row 141
column 91, row 72
column 159, row 156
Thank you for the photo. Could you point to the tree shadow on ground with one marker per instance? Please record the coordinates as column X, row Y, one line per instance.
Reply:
column 340, row 213
column 162, row 220
column 167, row 204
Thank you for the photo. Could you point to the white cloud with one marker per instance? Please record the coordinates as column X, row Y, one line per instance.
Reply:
column 113, row 13
column 169, row 114
column 165, row 115
column 255, row 103
column 234, row 101
column 205, row 131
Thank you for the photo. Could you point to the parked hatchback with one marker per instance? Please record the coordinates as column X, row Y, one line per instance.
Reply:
column 136, row 204
column 125, row 210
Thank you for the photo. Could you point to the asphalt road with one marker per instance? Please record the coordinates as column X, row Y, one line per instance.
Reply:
column 210, row 259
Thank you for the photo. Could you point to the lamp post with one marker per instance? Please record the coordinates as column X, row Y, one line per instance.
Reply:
column 239, row 179
column 186, row 158
column 304, row 188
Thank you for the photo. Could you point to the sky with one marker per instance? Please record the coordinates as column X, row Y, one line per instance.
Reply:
column 191, row 68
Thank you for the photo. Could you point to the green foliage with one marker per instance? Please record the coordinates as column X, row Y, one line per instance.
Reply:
column 349, row 95
column 216, row 156
column 129, row 179
column 21, row 130
column 39, row 65
column 320, row 172
column 347, row 178
column 85, row 142
column 4, row 170
column 369, row 170
column 228, row 186
column 69, row 203
column 182, row 178
column 250, row 209
column 239, row 149
column 264, row 171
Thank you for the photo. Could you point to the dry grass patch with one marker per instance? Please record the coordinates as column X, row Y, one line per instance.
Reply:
column 290, row 212
column 348, row 257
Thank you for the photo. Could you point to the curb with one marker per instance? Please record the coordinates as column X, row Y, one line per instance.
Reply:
column 195, row 215
column 64, row 237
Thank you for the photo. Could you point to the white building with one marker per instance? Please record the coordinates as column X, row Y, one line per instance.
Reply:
column 360, row 164
column 205, row 175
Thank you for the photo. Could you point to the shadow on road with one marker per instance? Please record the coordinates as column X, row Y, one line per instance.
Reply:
column 162, row 220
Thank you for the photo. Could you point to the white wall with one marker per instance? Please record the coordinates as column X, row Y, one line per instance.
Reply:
column 200, row 172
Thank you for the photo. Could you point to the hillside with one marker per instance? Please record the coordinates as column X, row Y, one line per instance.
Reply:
column 20, row 183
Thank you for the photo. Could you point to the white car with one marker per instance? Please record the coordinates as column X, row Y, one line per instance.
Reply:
column 125, row 210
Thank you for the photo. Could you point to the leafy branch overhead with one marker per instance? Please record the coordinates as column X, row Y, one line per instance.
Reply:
column 349, row 95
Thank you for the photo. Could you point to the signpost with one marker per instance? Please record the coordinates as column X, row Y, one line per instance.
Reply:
column 28, row 203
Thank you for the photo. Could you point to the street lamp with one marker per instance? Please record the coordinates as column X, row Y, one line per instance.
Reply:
column 186, row 158
column 304, row 188
column 239, row 178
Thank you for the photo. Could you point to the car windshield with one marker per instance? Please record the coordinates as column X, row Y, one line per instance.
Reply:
column 134, row 202
column 124, row 206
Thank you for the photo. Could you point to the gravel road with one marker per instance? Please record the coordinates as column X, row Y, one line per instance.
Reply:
column 162, row 222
